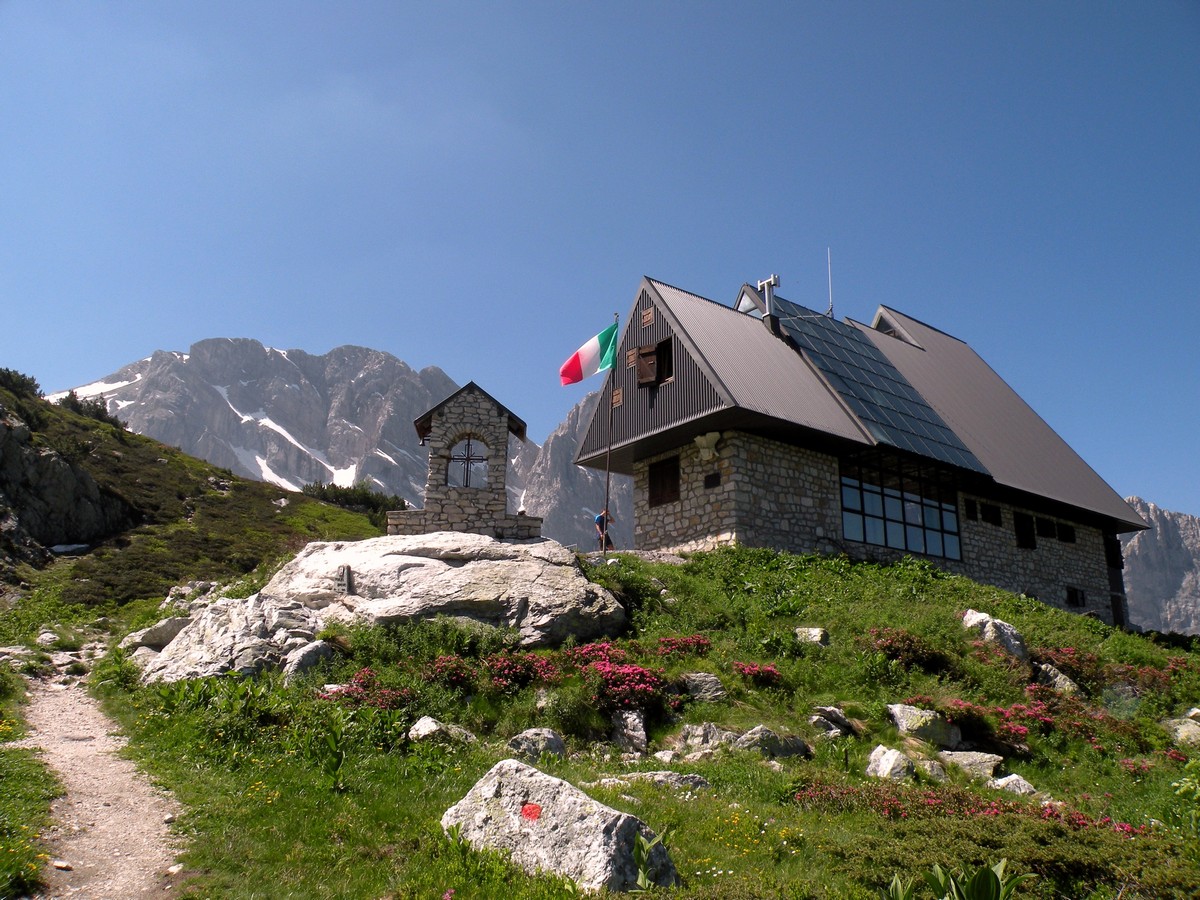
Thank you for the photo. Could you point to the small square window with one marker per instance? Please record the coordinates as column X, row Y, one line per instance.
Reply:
column 971, row 509
column 712, row 480
column 1076, row 597
column 1045, row 528
column 991, row 514
column 1025, row 530
column 655, row 364
column 1066, row 533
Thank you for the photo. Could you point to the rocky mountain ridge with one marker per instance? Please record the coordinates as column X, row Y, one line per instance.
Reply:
column 1162, row 570
column 293, row 418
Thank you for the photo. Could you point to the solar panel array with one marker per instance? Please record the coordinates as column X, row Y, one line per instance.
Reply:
column 884, row 401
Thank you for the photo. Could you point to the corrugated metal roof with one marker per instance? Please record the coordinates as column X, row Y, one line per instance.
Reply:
column 1015, row 444
column 757, row 370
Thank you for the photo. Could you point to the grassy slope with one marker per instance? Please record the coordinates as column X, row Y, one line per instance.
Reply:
column 193, row 521
column 318, row 800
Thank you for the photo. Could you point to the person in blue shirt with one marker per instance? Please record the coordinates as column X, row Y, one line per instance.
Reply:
column 602, row 536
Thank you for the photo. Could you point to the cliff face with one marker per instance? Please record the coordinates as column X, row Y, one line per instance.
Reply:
column 287, row 417
column 568, row 497
column 293, row 418
column 46, row 500
column 1162, row 570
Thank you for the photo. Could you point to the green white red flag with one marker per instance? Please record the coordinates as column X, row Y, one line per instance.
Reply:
column 595, row 356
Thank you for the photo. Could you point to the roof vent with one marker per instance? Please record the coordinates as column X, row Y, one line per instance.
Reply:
column 767, row 288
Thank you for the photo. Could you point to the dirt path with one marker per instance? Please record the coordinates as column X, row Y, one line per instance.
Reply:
column 111, row 827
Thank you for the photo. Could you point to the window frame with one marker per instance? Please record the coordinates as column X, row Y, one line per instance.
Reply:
column 901, row 507
column 663, row 479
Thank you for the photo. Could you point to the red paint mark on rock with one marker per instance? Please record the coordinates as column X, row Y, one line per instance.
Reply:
column 531, row 811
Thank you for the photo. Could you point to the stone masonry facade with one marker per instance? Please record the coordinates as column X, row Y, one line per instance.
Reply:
column 480, row 508
column 762, row 493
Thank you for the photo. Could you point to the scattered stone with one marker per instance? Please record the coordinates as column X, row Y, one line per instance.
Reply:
column 62, row 865
column 998, row 632
column 974, row 763
column 1193, row 713
column 629, row 730
column 934, row 769
column 831, row 718
column 926, row 725
column 703, row 686
column 666, row 756
column 428, row 728
column 175, row 869
column 676, row 780
column 705, row 736
column 46, row 639
column 1184, row 731
column 817, row 636
column 889, row 764
column 1014, row 784
column 706, row 755
column 547, row 824
column 157, row 635
column 1046, row 674
column 534, row 742
column 305, row 657
column 770, row 744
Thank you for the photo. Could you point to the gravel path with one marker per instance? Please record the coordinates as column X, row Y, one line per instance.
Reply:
column 111, row 827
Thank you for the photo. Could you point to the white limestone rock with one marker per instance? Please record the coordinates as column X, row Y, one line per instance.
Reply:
column 1014, row 784
column 889, row 764
column 833, row 720
column 818, row 636
column 926, row 725
column 234, row 635
column 705, row 736
column 998, row 632
column 548, row 824
column 429, row 729
column 304, row 657
column 1046, row 674
column 703, row 686
column 157, row 635
column 1186, row 732
column 536, row 587
column 772, row 745
column 629, row 730
column 534, row 742
column 679, row 781
column 974, row 763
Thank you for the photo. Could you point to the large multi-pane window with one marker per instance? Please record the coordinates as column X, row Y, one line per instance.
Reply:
column 903, row 507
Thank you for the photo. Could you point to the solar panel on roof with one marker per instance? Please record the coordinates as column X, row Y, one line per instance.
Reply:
column 890, row 408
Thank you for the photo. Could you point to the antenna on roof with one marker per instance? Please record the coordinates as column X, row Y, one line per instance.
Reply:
column 767, row 288
column 829, row 267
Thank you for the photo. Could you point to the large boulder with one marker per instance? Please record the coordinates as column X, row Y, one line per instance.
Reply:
column 973, row 762
column 547, row 824
column 889, row 764
column 243, row 636
column 535, row 587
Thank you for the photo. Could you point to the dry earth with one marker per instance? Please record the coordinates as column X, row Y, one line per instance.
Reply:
column 111, row 827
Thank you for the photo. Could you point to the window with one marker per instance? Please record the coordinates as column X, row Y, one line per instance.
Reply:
column 991, row 514
column 663, row 477
column 1066, row 533
column 906, row 511
column 655, row 364
column 468, row 464
column 1076, row 597
column 1025, row 530
column 1045, row 527
column 712, row 480
column 971, row 509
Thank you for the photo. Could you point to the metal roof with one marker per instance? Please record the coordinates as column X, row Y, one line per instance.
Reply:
column 757, row 370
column 1015, row 444
column 890, row 408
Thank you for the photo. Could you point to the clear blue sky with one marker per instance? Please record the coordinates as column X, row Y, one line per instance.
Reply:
column 480, row 186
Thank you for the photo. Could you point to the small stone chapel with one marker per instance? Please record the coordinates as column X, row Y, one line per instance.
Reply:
column 467, row 436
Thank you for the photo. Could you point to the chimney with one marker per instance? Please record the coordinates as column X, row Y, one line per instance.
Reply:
column 768, row 291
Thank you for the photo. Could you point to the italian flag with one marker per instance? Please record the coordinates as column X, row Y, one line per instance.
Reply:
column 595, row 356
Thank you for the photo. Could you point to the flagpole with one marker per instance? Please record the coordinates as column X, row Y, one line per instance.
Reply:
column 608, row 452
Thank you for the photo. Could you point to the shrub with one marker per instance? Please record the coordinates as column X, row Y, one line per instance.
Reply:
column 617, row 686
column 761, row 674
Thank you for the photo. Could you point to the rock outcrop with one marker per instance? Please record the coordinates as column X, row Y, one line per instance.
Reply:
column 536, row 588
column 548, row 824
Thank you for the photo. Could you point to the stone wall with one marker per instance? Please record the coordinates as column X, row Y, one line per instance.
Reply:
column 479, row 509
column 762, row 493
column 759, row 493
